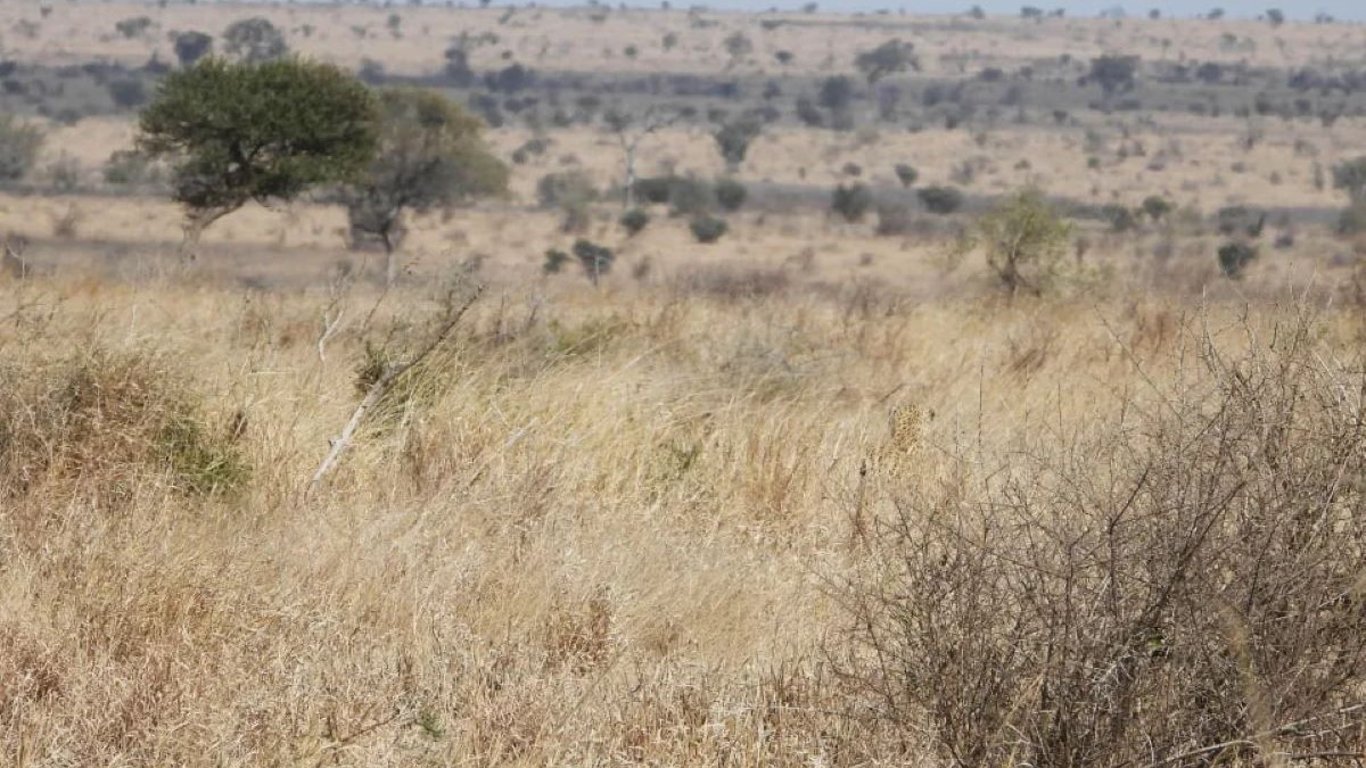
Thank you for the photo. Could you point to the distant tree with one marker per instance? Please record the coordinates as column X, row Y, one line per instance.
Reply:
column 1215, row 14
column 254, row 40
column 595, row 259
column 1024, row 240
column 1157, row 208
column 510, row 79
column 1114, row 74
column 1350, row 176
column 128, row 92
column 1154, row 14
column 631, row 133
column 1210, row 73
column 837, row 93
column 1033, row 13
column 738, row 45
column 192, row 46
column 733, row 139
column 133, row 27
column 977, row 13
column 572, row 192
column 1235, row 257
column 238, row 132
column 730, row 194
column 809, row 113
column 1275, row 16
column 430, row 155
column 457, row 70
column 889, row 58
column 940, row 200
column 19, row 147
column 784, row 57
column 708, row 229
column 634, row 221
column 906, row 174
column 852, row 202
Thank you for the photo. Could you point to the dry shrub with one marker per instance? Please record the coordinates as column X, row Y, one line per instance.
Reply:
column 1183, row 587
column 732, row 283
column 110, row 423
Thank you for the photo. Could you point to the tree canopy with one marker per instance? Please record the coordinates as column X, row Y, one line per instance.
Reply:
column 238, row 132
column 254, row 40
column 430, row 154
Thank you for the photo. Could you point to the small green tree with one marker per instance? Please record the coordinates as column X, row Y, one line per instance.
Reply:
column 730, row 194
column 254, row 40
column 634, row 221
column 852, row 202
column 734, row 138
column 906, row 174
column 940, row 200
column 1157, row 208
column 572, row 192
column 1024, row 240
column 889, row 58
column 1350, row 176
column 708, row 229
column 595, row 259
column 1234, row 258
column 1114, row 74
column 191, row 46
column 237, row 132
column 430, row 155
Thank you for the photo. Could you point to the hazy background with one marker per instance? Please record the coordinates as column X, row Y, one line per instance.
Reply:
column 1342, row 9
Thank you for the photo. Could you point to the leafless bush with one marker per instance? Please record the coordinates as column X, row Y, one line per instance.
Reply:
column 1185, row 588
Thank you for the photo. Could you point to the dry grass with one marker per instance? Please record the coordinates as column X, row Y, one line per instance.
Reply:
column 602, row 533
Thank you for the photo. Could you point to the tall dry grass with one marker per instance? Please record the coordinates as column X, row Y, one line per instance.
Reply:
column 593, row 528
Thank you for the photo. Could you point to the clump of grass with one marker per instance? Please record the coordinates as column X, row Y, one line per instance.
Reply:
column 111, row 422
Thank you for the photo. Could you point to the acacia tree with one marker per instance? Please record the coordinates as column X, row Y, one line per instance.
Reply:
column 733, row 139
column 889, row 58
column 191, row 46
column 1024, row 240
column 237, row 132
column 1114, row 74
column 431, row 154
column 254, row 40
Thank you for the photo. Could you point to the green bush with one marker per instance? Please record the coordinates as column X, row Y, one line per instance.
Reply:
column 852, row 202
column 595, row 259
column 941, row 200
column 691, row 197
column 1235, row 257
column 635, row 221
column 730, row 194
column 1157, row 208
column 708, row 229
column 1121, row 218
column 555, row 259
column 906, row 174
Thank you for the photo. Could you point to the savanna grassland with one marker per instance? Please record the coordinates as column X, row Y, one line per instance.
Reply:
column 831, row 490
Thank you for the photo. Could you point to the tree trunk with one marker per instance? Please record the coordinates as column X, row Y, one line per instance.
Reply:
column 390, row 267
column 629, row 192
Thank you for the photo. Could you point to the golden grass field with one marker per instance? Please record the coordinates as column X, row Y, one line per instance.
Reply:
column 602, row 525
